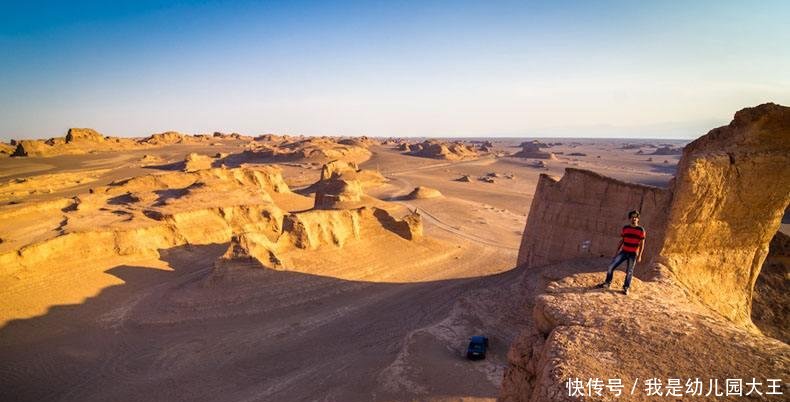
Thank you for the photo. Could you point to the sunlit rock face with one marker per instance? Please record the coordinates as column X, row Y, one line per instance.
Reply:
column 732, row 188
column 581, row 215
column 710, row 234
column 711, row 228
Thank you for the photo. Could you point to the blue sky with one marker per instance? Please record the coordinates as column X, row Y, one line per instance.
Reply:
column 669, row 69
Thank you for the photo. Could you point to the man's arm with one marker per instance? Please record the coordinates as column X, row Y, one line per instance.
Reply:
column 639, row 252
column 619, row 246
column 641, row 246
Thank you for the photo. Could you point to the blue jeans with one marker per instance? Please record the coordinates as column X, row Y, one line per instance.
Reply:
column 629, row 273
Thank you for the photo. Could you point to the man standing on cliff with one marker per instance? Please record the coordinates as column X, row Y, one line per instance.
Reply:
column 630, row 249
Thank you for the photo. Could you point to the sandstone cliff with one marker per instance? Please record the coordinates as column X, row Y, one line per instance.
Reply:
column 660, row 332
column 532, row 150
column 77, row 141
column 731, row 190
column 771, row 298
column 342, row 185
column 442, row 150
column 581, row 215
column 313, row 149
column 144, row 214
column 710, row 234
column 313, row 230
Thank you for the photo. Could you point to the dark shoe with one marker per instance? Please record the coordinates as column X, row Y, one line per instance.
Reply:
column 625, row 291
column 602, row 286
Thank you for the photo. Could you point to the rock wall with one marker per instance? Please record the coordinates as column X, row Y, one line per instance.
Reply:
column 732, row 188
column 443, row 150
column 581, row 215
column 771, row 296
column 725, row 205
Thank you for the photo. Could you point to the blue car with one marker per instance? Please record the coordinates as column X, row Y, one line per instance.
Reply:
column 477, row 348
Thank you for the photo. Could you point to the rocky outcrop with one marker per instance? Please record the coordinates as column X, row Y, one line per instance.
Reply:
column 83, row 135
column 442, row 150
column 668, row 150
column 771, row 297
column 149, row 160
column 32, row 148
column 362, row 141
column 718, row 226
column 731, row 190
column 313, row 149
column 166, row 138
column 77, row 141
column 87, row 140
column 337, row 192
column 200, row 226
column 715, row 239
column 532, row 150
column 581, row 215
column 7, row 149
column 342, row 185
column 194, row 162
column 142, row 215
column 422, row 192
column 582, row 334
column 253, row 248
column 350, row 171
column 312, row 230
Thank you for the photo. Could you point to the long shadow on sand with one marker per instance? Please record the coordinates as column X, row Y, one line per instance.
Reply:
column 197, row 334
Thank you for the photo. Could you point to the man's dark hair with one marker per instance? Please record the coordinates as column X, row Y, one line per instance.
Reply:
column 632, row 213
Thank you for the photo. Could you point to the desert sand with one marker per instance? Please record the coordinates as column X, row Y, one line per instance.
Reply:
column 276, row 267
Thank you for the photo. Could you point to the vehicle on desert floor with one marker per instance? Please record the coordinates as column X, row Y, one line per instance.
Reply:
column 477, row 348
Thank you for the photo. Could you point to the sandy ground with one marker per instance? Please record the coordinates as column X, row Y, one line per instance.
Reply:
column 373, row 320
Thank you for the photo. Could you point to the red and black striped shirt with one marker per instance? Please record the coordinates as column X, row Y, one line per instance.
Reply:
column 632, row 236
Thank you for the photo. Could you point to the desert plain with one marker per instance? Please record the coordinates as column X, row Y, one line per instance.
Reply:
column 282, row 267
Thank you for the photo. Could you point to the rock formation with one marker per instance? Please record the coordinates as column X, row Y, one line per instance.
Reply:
column 86, row 140
column 771, row 297
column 422, row 192
column 362, row 141
column 350, row 171
column 143, row 214
column 312, row 230
column 194, row 162
column 148, row 160
column 442, row 150
column 335, row 192
column 668, row 150
column 83, row 135
column 707, row 251
column 31, row 148
column 712, row 202
column 584, row 334
column 581, row 215
column 77, row 141
column 343, row 183
column 313, row 149
column 731, row 190
column 6, row 149
column 166, row 138
column 532, row 150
